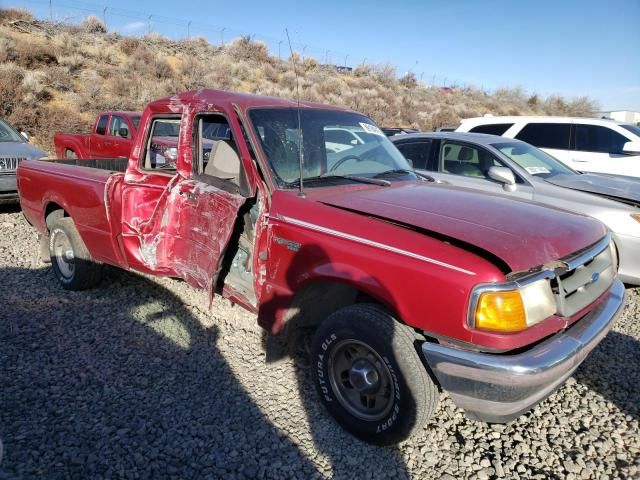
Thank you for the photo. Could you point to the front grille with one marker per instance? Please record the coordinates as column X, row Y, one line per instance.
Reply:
column 9, row 163
column 589, row 275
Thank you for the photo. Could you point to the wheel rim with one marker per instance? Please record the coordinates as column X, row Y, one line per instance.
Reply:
column 65, row 260
column 361, row 380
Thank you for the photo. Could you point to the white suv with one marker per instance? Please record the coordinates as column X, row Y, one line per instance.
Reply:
column 585, row 144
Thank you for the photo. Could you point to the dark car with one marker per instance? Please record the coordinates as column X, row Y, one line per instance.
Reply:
column 14, row 148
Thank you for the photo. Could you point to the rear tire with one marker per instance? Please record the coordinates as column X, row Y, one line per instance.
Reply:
column 68, row 153
column 369, row 375
column 72, row 263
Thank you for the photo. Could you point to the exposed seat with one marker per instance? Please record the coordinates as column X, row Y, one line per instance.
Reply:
column 224, row 162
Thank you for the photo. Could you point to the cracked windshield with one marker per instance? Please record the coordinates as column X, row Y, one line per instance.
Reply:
column 336, row 146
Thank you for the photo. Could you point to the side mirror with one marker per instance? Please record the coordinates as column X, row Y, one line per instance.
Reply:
column 503, row 175
column 25, row 135
column 123, row 132
column 631, row 147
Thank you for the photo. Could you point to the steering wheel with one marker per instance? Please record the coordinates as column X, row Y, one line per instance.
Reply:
column 343, row 160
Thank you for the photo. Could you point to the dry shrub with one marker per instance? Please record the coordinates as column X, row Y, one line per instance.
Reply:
column 146, row 63
column 58, row 78
column 129, row 45
column 34, row 54
column 93, row 24
column 12, row 14
column 11, row 76
column 245, row 48
column 73, row 62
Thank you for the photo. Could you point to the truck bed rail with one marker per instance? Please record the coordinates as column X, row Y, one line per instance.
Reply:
column 111, row 164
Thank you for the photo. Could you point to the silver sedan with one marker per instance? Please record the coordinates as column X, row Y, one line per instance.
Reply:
column 513, row 168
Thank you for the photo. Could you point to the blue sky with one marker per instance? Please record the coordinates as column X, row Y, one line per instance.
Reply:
column 569, row 47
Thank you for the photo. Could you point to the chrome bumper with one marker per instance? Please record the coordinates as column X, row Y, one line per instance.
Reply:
column 498, row 388
column 8, row 187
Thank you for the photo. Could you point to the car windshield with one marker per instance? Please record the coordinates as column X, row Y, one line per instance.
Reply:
column 533, row 160
column 336, row 145
column 632, row 128
column 8, row 134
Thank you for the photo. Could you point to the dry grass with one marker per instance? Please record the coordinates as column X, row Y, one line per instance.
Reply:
column 58, row 77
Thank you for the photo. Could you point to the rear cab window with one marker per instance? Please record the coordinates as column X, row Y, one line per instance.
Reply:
column 546, row 135
column 161, row 147
column 101, row 127
column 492, row 128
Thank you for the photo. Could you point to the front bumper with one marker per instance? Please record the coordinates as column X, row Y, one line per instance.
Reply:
column 629, row 253
column 8, row 188
column 498, row 388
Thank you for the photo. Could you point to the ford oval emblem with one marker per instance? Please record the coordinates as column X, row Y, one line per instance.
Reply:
column 594, row 277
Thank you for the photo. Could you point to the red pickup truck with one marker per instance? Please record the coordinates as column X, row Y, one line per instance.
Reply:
column 112, row 137
column 409, row 286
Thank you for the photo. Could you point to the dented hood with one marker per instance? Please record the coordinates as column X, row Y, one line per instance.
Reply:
column 522, row 234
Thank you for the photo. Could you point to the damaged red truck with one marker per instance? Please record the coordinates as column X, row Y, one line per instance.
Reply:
column 409, row 286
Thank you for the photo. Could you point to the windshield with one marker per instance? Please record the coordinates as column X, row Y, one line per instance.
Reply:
column 533, row 160
column 8, row 134
column 335, row 145
column 632, row 128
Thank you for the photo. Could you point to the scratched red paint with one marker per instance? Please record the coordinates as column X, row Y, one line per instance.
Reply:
column 149, row 221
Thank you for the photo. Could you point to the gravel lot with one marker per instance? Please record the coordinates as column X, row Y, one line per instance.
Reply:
column 139, row 379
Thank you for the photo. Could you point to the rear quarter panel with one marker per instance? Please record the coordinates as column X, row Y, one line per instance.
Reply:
column 80, row 144
column 80, row 191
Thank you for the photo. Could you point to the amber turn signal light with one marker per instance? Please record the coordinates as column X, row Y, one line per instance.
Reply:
column 501, row 311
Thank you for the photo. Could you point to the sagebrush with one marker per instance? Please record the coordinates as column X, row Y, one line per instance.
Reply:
column 57, row 77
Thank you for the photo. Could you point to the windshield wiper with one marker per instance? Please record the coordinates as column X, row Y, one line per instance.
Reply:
column 404, row 171
column 355, row 178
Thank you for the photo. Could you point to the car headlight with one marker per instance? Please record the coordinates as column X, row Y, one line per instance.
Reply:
column 511, row 307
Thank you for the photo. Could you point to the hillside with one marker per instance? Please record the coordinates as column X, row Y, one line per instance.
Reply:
column 56, row 77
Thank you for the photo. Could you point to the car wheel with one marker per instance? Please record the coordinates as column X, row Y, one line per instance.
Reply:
column 68, row 153
column 369, row 375
column 71, row 261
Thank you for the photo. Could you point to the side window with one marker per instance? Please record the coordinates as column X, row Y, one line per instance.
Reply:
column 492, row 128
column 416, row 152
column 118, row 127
column 594, row 138
column 546, row 135
column 217, row 154
column 161, row 151
column 101, row 128
column 467, row 160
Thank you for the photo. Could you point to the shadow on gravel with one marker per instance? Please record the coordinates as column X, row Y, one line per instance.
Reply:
column 613, row 370
column 350, row 458
column 139, row 390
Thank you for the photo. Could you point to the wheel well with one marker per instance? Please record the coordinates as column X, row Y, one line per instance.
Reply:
column 52, row 212
column 315, row 302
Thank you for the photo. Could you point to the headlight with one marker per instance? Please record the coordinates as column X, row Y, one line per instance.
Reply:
column 498, row 308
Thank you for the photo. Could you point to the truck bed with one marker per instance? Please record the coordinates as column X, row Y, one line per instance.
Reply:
column 84, row 190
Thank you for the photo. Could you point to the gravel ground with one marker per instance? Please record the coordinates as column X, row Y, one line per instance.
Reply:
column 140, row 379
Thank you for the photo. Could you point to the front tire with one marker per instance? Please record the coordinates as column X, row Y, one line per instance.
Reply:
column 369, row 375
column 72, row 263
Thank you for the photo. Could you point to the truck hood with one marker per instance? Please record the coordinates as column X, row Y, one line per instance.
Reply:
column 20, row 150
column 615, row 187
column 522, row 234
